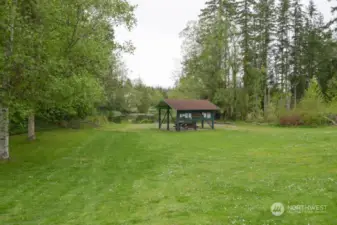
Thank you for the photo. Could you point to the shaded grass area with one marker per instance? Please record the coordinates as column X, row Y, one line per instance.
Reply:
column 142, row 176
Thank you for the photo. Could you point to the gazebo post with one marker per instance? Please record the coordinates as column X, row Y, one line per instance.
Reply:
column 168, row 118
column 159, row 109
column 177, row 121
column 213, row 115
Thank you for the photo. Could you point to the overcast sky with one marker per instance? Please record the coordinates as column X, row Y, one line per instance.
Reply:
column 156, row 37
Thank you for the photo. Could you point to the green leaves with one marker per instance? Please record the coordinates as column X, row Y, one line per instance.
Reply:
column 263, row 50
column 59, row 51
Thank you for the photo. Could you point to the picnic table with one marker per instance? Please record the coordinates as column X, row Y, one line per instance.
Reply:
column 186, row 125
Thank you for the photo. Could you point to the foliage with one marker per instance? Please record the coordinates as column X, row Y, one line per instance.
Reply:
column 291, row 120
column 270, row 114
column 312, row 110
column 244, row 55
column 146, row 121
column 55, row 54
column 331, row 93
column 97, row 120
column 312, row 107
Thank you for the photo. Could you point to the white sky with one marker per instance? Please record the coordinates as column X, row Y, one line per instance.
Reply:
column 156, row 37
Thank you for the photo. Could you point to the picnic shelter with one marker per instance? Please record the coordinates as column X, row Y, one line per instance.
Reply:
column 188, row 113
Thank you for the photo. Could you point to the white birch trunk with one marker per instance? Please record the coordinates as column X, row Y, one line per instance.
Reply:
column 4, row 116
column 4, row 133
column 31, row 127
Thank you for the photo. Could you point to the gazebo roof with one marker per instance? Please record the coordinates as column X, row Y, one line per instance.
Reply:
column 188, row 104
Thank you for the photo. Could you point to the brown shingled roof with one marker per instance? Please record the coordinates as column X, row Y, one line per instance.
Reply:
column 188, row 104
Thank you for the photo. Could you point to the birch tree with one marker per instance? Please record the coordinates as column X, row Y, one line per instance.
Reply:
column 7, row 44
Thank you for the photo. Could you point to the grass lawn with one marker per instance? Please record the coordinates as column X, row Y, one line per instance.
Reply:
column 134, row 175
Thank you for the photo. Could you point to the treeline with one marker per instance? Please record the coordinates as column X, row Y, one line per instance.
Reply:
column 60, row 61
column 256, row 59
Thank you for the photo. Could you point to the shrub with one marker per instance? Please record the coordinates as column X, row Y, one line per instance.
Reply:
column 291, row 120
column 311, row 111
column 116, row 119
column 312, row 118
column 270, row 114
column 332, row 112
column 146, row 121
column 255, row 116
column 63, row 123
column 302, row 117
column 97, row 120
column 312, row 107
column 139, row 117
column 115, row 116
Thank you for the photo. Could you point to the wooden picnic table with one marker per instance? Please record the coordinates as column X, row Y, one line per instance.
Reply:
column 186, row 125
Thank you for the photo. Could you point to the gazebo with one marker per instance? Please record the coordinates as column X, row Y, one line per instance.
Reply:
column 189, row 112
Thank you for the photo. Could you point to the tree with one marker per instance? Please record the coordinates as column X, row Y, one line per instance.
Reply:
column 283, row 46
column 264, row 31
column 7, row 47
column 65, row 44
column 245, row 19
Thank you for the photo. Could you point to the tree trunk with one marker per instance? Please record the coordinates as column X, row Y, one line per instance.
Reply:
column 265, row 101
column 31, row 127
column 288, row 102
column 295, row 102
column 4, row 133
column 4, row 117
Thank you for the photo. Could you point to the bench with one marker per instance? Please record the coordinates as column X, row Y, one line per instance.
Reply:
column 186, row 126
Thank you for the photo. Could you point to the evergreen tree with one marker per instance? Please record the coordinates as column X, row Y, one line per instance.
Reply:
column 265, row 17
column 297, row 74
column 245, row 21
column 283, row 43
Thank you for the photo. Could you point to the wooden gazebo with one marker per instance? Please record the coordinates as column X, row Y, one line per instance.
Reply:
column 189, row 112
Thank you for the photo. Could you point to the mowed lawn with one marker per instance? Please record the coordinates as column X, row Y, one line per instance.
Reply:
column 135, row 175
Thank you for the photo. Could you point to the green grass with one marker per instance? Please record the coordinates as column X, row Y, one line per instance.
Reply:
column 129, row 174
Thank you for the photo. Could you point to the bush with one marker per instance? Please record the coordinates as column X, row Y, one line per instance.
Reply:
column 311, row 111
column 312, row 107
column 139, row 117
column 97, row 120
column 311, row 118
column 270, row 114
column 332, row 112
column 255, row 116
column 20, row 126
column 115, row 116
column 304, row 116
column 146, row 121
column 63, row 124
column 332, row 119
column 291, row 120
column 117, row 119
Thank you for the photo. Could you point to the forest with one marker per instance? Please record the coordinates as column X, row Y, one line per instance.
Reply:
column 61, row 62
column 262, row 60
column 258, row 60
